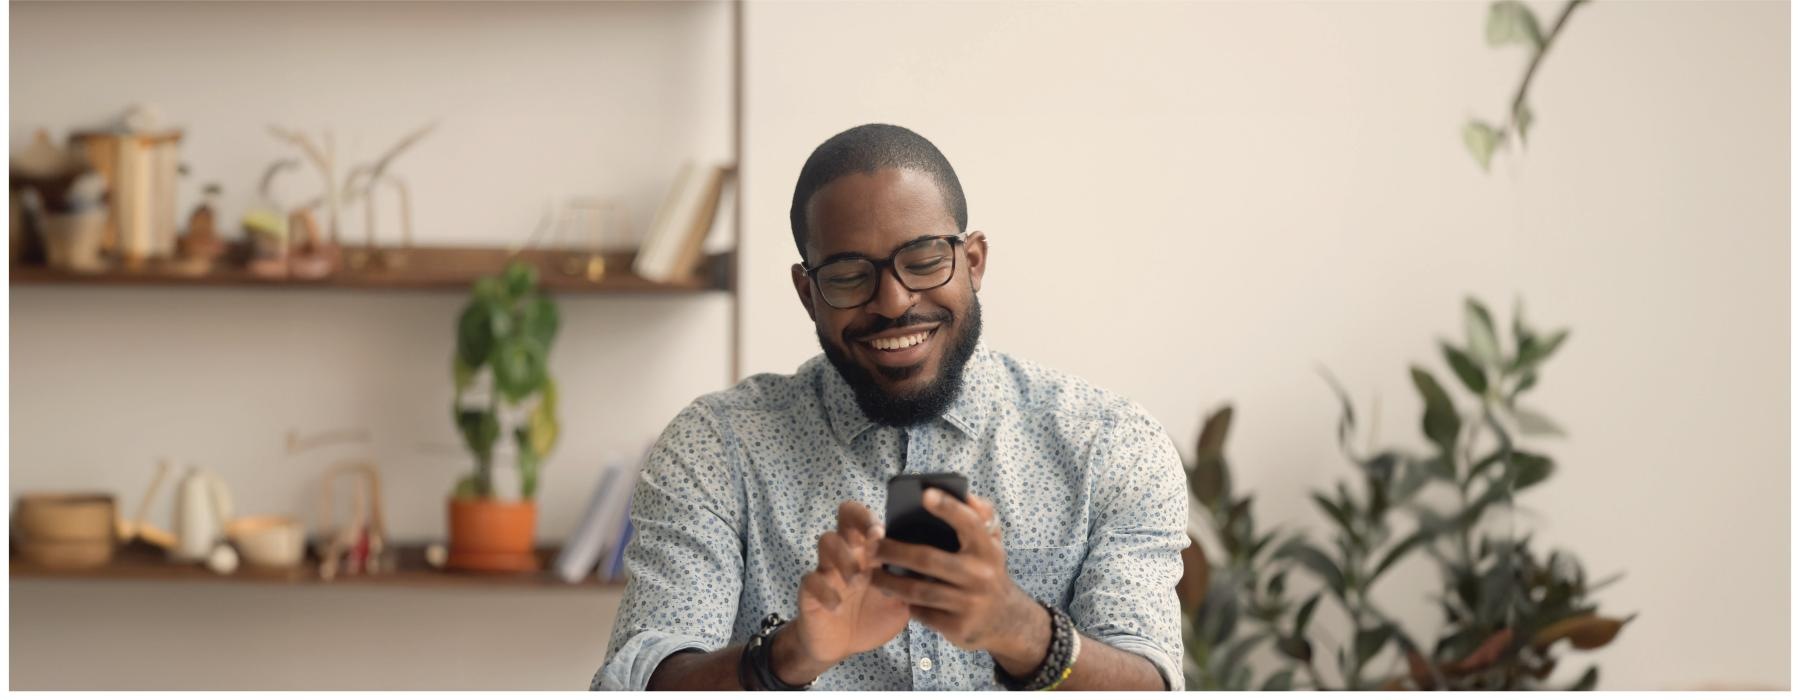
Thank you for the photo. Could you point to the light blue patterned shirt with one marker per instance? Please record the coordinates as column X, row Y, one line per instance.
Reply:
column 1089, row 490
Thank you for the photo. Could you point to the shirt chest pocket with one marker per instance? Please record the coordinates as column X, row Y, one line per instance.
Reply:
column 1046, row 574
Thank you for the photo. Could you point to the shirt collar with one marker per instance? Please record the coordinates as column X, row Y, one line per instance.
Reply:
column 967, row 413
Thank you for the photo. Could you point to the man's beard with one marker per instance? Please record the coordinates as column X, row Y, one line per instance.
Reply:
column 919, row 406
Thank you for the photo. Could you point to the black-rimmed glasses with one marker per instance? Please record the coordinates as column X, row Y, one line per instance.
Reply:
column 851, row 281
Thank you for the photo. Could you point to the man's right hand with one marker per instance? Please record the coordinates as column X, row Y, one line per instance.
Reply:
column 841, row 614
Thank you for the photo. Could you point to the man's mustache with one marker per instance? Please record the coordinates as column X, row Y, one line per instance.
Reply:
column 909, row 318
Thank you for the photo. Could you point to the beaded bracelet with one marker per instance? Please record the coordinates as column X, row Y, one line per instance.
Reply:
column 1059, row 659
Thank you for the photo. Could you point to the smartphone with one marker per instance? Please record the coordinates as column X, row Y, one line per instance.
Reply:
column 907, row 519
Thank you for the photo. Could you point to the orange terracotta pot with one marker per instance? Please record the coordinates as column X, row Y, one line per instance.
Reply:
column 489, row 535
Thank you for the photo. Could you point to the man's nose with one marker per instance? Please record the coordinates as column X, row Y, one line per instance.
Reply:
column 891, row 297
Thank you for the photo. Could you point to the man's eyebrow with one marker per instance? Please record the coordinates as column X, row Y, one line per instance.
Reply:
column 848, row 255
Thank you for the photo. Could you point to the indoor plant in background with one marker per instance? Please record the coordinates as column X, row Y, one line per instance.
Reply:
column 1506, row 607
column 503, row 389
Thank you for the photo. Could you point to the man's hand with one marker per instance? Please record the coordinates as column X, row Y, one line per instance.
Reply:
column 841, row 615
column 974, row 603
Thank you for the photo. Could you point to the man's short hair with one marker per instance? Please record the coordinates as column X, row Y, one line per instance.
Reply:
column 866, row 149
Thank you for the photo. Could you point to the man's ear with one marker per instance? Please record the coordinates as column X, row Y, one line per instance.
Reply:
column 803, row 287
column 976, row 250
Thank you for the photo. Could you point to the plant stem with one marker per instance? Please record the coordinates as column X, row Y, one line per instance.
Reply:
column 1537, row 59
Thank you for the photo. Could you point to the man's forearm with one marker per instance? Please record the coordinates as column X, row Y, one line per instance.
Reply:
column 1099, row 667
column 718, row 670
column 691, row 669
column 1104, row 667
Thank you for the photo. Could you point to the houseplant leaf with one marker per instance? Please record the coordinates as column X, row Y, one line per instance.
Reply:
column 539, row 319
column 1472, row 377
column 1482, row 140
column 1511, row 22
column 518, row 368
column 1484, row 345
column 1441, row 422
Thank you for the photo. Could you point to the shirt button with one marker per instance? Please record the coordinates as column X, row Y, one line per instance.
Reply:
column 924, row 663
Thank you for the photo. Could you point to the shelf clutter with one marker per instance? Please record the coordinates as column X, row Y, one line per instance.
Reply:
column 140, row 562
column 425, row 268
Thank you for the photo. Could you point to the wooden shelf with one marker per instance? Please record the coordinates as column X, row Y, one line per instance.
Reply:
column 434, row 268
column 139, row 562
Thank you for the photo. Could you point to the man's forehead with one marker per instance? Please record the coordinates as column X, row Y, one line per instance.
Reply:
column 873, row 212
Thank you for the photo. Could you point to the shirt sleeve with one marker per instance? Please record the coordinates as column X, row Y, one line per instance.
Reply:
column 685, row 561
column 1125, row 594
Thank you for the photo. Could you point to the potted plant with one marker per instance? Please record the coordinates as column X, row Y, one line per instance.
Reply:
column 503, row 388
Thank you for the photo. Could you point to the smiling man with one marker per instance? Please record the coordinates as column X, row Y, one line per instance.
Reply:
column 758, row 563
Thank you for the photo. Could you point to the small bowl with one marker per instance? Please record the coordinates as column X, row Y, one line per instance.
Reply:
column 65, row 517
column 269, row 541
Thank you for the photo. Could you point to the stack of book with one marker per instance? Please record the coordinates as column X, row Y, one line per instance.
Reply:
column 598, row 542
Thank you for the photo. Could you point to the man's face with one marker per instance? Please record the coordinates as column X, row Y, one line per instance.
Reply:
column 873, row 215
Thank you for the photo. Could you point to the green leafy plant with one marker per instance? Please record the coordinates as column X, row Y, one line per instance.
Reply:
column 1509, row 23
column 503, row 335
column 1505, row 607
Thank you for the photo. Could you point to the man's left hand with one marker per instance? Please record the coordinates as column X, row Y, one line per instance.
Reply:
column 973, row 603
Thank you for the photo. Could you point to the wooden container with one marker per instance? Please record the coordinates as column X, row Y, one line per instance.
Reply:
column 63, row 531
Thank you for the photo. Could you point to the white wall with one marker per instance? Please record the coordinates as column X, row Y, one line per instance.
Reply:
column 1249, row 190
column 1277, row 186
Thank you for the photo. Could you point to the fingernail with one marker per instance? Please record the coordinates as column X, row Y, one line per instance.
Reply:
column 877, row 532
column 931, row 497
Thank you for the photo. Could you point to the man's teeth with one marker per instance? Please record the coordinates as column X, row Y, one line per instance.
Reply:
column 905, row 341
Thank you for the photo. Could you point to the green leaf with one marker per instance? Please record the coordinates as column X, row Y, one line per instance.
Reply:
column 528, row 465
column 1534, row 352
column 491, row 290
column 1334, row 510
column 1281, row 680
column 542, row 427
column 1482, row 140
column 1304, row 617
column 1484, row 346
column 1441, row 421
column 474, row 333
column 1399, row 550
column 1310, row 557
column 1472, row 377
column 479, row 430
column 520, row 279
column 519, row 368
column 1534, row 423
column 1529, row 469
column 1210, row 480
column 1296, row 648
column 1588, row 680
column 1511, row 22
column 539, row 320
column 1347, row 420
column 1370, row 641
column 461, row 372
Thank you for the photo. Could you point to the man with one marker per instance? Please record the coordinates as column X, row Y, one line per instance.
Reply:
column 756, row 500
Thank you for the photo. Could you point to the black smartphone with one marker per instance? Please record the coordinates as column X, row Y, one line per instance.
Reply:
column 907, row 519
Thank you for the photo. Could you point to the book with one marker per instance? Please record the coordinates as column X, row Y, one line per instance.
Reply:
column 581, row 551
column 673, row 244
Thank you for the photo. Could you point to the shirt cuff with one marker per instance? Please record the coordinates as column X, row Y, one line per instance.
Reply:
column 1168, row 667
column 632, row 664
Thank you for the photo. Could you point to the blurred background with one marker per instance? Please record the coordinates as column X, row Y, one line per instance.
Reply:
column 1192, row 204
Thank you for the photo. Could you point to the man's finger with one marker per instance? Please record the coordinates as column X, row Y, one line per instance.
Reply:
column 925, row 559
column 854, row 516
column 816, row 585
column 835, row 556
column 970, row 528
column 914, row 591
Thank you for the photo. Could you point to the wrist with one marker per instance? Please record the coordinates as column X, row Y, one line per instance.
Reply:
column 1022, row 652
column 789, row 659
